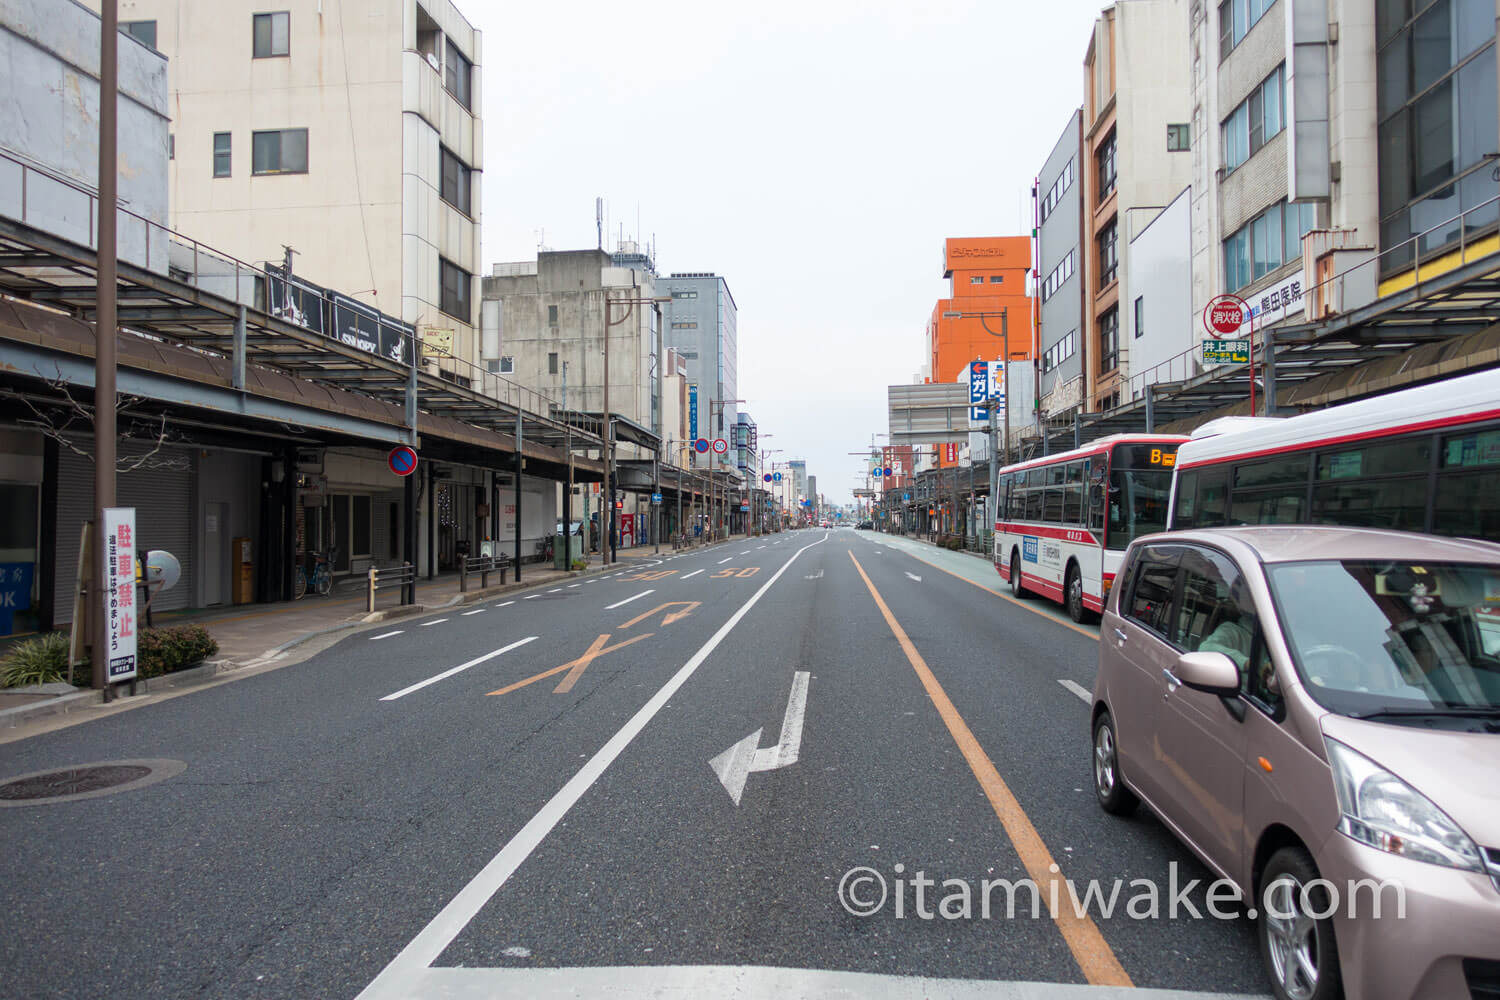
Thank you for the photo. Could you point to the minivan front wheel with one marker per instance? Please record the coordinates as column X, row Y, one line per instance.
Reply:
column 1114, row 798
column 1297, row 948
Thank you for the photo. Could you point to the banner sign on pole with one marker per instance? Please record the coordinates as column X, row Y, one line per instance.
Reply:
column 979, row 386
column 119, row 593
column 693, row 412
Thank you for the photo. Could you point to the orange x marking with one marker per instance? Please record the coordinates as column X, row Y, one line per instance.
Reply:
column 575, row 668
column 688, row 607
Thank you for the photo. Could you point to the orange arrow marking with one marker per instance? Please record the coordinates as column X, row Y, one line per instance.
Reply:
column 576, row 667
column 688, row 607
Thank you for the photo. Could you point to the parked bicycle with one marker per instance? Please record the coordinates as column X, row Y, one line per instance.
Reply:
column 322, row 575
column 544, row 550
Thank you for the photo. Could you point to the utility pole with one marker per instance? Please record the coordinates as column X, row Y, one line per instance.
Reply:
column 105, row 331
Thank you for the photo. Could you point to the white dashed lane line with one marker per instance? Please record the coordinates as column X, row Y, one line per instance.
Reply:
column 387, row 635
column 505, row 605
column 692, row 574
column 1077, row 689
column 435, row 621
column 723, row 561
column 474, row 612
column 637, row 597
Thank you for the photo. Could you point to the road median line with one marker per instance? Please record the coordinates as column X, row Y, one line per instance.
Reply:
column 1093, row 954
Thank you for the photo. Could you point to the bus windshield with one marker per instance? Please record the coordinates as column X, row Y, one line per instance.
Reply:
column 1140, row 482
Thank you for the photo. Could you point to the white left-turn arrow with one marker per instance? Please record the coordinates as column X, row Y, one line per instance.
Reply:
column 734, row 765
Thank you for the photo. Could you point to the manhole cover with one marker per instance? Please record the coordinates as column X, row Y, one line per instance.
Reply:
column 85, row 781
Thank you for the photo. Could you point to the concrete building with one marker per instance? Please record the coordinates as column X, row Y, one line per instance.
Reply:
column 1136, row 107
column 1284, row 143
column 355, row 140
column 746, row 445
column 702, row 323
column 1163, row 325
column 1060, row 258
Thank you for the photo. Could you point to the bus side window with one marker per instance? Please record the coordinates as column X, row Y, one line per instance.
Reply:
column 1185, row 502
column 1212, row 505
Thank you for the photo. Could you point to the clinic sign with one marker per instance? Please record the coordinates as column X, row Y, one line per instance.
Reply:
column 119, row 593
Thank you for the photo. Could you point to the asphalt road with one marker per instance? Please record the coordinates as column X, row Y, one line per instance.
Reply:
column 646, row 782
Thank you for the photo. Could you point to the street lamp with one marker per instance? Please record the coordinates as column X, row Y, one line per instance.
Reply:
column 611, row 553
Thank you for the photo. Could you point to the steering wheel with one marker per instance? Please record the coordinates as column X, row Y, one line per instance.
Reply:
column 1345, row 668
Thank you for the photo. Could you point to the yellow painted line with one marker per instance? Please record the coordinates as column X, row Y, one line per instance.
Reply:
column 1023, row 605
column 1092, row 953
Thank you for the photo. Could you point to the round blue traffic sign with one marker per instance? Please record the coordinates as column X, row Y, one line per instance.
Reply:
column 887, row 470
column 402, row 460
column 767, row 477
column 701, row 445
column 776, row 477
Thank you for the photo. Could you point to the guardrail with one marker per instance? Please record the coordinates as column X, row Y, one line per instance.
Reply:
column 484, row 566
column 403, row 576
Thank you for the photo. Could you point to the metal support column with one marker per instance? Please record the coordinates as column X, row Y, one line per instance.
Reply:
column 518, row 494
column 409, row 537
column 105, row 331
column 237, row 371
column 1150, row 409
column 1268, row 363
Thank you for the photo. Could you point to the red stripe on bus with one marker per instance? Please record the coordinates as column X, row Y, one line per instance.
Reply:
column 1061, row 534
column 1422, row 425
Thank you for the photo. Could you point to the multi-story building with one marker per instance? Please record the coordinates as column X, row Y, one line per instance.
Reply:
column 1058, row 198
column 1136, row 161
column 746, row 442
column 702, row 326
column 350, row 134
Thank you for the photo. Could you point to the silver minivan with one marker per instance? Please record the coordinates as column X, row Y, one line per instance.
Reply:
column 1315, row 712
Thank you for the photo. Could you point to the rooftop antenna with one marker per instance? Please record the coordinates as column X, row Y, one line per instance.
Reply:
column 599, row 220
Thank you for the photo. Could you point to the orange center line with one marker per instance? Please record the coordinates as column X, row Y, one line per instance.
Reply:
column 1092, row 953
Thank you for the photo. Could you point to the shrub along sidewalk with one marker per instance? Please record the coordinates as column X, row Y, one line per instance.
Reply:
column 44, row 659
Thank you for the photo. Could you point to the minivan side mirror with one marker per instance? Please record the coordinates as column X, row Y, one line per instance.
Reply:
column 1210, row 672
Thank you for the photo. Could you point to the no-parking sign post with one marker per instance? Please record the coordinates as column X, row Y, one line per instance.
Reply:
column 402, row 460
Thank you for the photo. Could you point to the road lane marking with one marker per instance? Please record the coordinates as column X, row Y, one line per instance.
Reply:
column 554, row 590
column 435, row 621
column 621, row 604
column 575, row 668
column 407, row 969
column 1092, row 953
column 693, row 573
column 1078, row 689
column 458, row 669
column 504, row 605
column 387, row 635
column 474, row 612
column 745, row 553
column 572, row 585
column 530, row 597
column 723, row 561
column 734, row 765
column 915, row 577
column 688, row 607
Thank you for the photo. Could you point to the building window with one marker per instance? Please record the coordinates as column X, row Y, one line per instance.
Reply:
column 1140, row 316
column 1179, row 137
column 457, row 181
column 1059, row 188
column 1266, row 242
column 281, row 151
column 454, row 297
column 221, row 154
column 1105, row 160
column 171, row 147
column 1060, row 351
column 458, row 76
column 507, row 366
column 552, row 315
column 142, row 31
column 552, row 363
column 685, row 295
column 977, row 279
column 273, row 33
column 1435, row 95
column 1109, row 260
column 684, row 325
column 996, row 279
column 1109, row 340
column 1237, row 17
column 1061, row 273
column 1258, row 118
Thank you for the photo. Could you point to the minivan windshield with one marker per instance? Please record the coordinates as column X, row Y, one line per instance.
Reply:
column 1381, row 637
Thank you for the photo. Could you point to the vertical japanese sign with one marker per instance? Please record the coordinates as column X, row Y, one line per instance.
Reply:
column 119, row 593
column 979, row 387
column 692, row 413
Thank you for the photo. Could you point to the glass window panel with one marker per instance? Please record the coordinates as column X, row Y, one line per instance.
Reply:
column 1473, row 450
column 1034, row 504
column 1283, row 505
column 1241, row 19
column 1478, row 124
column 1257, row 119
column 1432, row 47
column 1433, row 142
column 281, row 30
column 1215, row 613
column 1213, row 493
column 1395, row 164
column 1151, row 597
column 1393, row 83
column 294, row 150
column 1258, row 247
column 264, row 150
column 1390, row 15
column 1473, row 25
column 1292, row 469
column 1398, row 504
column 1436, row 219
column 1185, row 500
column 1291, row 247
column 1395, row 250
column 1072, row 512
column 1479, row 188
column 1395, row 458
column 1273, row 102
column 1274, row 250
column 1464, row 504
column 261, row 29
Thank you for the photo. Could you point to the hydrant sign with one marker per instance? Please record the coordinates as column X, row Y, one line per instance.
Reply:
column 119, row 593
column 1225, row 314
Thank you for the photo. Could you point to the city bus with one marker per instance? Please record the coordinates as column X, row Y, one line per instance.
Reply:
column 1425, row 459
column 1062, row 522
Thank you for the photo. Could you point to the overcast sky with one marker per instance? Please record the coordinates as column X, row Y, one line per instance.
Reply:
column 813, row 153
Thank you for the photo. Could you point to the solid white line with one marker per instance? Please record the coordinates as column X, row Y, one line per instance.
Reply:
column 458, row 669
column 692, row 574
column 474, row 612
column 408, row 966
column 723, row 561
column 505, row 605
column 619, row 604
column 1078, row 689
column 387, row 635
column 435, row 621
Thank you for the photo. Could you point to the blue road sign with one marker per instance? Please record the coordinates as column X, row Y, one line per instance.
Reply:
column 887, row 470
column 877, row 473
column 656, row 498
column 906, row 496
column 766, row 477
column 776, row 477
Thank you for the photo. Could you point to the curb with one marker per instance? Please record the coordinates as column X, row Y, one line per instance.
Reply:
column 11, row 717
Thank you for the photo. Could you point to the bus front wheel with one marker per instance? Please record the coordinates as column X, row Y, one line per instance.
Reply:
column 1016, row 589
column 1073, row 595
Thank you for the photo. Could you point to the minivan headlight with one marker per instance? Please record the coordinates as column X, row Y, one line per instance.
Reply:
column 1386, row 813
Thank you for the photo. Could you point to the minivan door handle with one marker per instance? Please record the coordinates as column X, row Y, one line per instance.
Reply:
column 1121, row 636
column 1173, row 683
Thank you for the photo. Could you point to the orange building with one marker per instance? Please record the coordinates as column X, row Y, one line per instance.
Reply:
column 986, row 275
